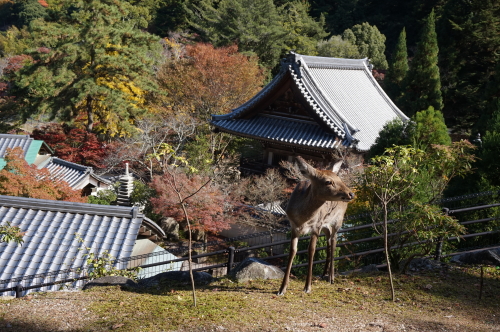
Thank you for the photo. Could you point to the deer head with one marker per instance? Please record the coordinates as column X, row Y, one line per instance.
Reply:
column 326, row 184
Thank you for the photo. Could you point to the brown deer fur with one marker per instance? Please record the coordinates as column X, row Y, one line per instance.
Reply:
column 316, row 206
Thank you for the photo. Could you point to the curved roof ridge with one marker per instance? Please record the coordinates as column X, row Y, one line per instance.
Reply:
column 318, row 61
column 315, row 87
column 57, row 160
column 64, row 206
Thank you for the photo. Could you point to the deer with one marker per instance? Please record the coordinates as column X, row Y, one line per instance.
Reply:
column 315, row 206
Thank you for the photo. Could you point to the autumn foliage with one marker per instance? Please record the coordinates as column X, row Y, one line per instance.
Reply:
column 23, row 180
column 210, row 80
column 205, row 207
column 72, row 144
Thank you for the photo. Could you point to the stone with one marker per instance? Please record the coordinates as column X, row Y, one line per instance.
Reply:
column 171, row 228
column 369, row 268
column 420, row 264
column 252, row 268
column 486, row 257
column 123, row 282
column 176, row 277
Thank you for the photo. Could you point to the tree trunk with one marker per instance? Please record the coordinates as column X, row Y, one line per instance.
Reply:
column 190, row 244
column 386, row 248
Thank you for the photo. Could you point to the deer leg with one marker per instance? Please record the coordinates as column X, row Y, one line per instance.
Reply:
column 333, row 245
column 293, row 251
column 311, row 251
column 328, row 254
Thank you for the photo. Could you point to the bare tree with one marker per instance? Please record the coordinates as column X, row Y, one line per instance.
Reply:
column 158, row 138
column 261, row 199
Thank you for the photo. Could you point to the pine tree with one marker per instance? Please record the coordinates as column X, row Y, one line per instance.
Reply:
column 423, row 86
column 303, row 31
column 489, row 164
column 398, row 68
column 469, row 40
column 258, row 27
column 97, row 67
column 430, row 129
column 255, row 25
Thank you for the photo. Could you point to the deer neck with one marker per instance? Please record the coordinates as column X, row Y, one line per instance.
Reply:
column 310, row 204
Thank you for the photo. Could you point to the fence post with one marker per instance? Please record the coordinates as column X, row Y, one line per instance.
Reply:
column 19, row 291
column 230, row 259
column 439, row 246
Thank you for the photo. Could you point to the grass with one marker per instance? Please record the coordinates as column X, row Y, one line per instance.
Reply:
column 440, row 301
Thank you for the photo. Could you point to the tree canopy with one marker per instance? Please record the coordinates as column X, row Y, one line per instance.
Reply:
column 370, row 43
column 95, row 67
column 423, row 85
column 18, row 178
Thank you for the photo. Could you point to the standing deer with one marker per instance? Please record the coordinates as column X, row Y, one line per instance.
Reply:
column 316, row 206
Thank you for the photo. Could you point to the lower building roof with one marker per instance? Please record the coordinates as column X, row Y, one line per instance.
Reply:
column 74, row 174
column 57, row 232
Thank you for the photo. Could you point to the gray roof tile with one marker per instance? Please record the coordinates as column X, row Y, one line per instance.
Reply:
column 50, row 242
column 342, row 93
column 74, row 174
column 12, row 141
column 282, row 130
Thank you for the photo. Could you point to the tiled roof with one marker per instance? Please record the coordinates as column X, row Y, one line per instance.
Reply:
column 12, row 141
column 342, row 93
column 50, row 243
column 282, row 130
column 73, row 174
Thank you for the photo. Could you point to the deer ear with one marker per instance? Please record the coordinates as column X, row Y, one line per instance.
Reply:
column 336, row 167
column 305, row 169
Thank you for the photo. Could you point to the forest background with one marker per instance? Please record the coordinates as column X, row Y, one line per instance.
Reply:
column 113, row 81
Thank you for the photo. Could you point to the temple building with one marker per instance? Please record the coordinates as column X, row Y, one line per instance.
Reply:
column 314, row 106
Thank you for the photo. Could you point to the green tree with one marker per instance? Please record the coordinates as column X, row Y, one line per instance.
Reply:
column 430, row 129
column 370, row 43
column 303, row 32
column 423, row 86
column 14, row 41
column 395, row 132
column 255, row 25
column 168, row 16
column 258, row 27
column 95, row 66
column 21, row 12
column 469, row 42
column 392, row 188
column 398, row 68
column 489, row 163
column 425, row 129
column 337, row 47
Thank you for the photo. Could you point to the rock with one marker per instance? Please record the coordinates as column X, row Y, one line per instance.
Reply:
column 487, row 257
column 253, row 268
column 176, row 277
column 171, row 228
column 198, row 234
column 369, row 268
column 420, row 264
column 123, row 282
